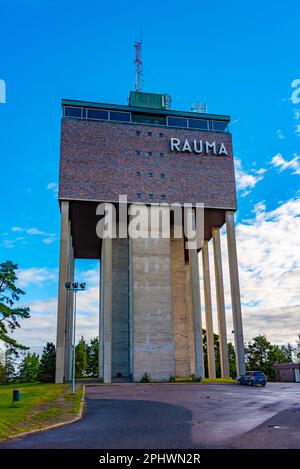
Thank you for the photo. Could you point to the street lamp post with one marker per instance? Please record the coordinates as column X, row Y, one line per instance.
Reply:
column 74, row 287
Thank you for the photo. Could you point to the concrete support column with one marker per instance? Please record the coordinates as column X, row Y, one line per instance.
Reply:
column 235, row 294
column 151, row 299
column 180, row 313
column 220, row 303
column 107, row 309
column 101, row 324
column 195, row 281
column 70, row 314
column 120, row 309
column 190, row 317
column 62, row 292
column 131, row 310
column 210, row 347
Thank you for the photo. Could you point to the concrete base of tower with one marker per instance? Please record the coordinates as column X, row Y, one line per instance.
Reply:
column 153, row 347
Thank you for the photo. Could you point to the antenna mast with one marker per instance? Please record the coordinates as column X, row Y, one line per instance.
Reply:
column 138, row 65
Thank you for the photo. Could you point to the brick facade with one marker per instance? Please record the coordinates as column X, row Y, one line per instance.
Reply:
column 285, row 372
column 99, row 161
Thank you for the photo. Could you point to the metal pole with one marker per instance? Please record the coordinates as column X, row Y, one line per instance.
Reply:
column 73, row 357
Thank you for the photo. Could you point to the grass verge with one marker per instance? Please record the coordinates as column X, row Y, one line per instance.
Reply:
column 41, row 405
column 207, row 380
column 219, row 380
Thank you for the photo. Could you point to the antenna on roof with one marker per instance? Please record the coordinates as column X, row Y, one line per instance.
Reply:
column 199, row 108
column 138, row 64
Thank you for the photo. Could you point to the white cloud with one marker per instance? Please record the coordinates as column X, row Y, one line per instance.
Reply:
column 296, row 114
column 280, row 134
column 278, row 161
column 11, row 243
column 261, row 171
column 53, row 187
column 245, row 182
column 269, row 267
column 8, row 243
column 35, row 231
column 48, row 238
column 36, row 275
column 41, row 326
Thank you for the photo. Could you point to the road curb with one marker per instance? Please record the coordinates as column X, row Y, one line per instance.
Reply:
column 55, row 425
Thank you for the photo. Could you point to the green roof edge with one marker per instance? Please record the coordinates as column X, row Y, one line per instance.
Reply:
column 165, row 112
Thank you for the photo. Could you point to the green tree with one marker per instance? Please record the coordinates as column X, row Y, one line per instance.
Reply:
column 231, row 359
column 262, row 355
column 231, row 356
column 288, row 351
column 47, row 364
column 217, row 354
column 81, row 358
column 297, row 350
column 2, row 373
column 7, row 367
column 9, row 314
column 93, row 357
column 29, row 368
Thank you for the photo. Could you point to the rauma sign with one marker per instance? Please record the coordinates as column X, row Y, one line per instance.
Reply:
column 197, row 146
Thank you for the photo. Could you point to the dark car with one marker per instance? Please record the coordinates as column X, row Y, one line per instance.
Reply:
column 252, row 378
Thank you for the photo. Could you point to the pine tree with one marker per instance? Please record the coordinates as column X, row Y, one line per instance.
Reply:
column 93, row 357
column 7, row 367
column 29, row 368
column 47, row 364
column 9, row 315
column 81, row 358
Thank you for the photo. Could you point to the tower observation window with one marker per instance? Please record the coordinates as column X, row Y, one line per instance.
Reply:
column 73, row 112
column 148, row 119
column 198, row 124
column 119, row 116
column 177, row 122
column 220, row 126
column 97, row 114
column 80, row 112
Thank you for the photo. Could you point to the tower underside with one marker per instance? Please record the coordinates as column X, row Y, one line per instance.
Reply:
column 150, row 306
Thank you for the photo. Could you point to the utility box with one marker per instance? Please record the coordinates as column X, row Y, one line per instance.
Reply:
column 147, row 100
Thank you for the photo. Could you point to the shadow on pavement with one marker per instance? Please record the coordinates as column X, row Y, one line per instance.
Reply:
column 115, row 423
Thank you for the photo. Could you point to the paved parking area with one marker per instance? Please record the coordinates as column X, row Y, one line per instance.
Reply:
column 180, row 416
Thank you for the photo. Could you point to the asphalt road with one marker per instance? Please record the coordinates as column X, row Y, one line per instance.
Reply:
column 180, row 416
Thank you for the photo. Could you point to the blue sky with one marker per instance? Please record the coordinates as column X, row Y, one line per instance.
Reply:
column 239, row 58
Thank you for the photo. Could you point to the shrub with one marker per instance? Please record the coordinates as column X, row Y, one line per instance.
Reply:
column 145, row 378
column 47, row 364
column 195, row 379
